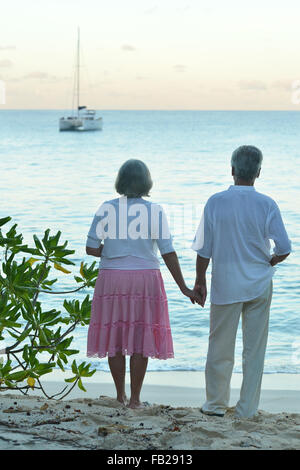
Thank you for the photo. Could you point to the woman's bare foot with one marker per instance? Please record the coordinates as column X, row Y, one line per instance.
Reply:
column 124, row 400
column 136, row 404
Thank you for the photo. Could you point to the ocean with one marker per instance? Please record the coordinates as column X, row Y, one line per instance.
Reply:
column 58, row 180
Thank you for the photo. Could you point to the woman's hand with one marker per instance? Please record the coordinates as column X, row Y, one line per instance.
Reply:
column 173, row 265
column 193, row 295
column 94, row 251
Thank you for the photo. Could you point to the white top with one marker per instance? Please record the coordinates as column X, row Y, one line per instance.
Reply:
column 133, row 229
column 128, row 262
column 235, row 231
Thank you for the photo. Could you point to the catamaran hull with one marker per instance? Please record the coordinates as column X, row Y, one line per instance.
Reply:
column 80, row 124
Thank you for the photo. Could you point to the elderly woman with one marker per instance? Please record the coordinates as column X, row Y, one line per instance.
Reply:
column 129, row 309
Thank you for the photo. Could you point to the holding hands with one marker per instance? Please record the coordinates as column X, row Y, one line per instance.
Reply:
column 193, row 295
column 201, row 291
column 172, row 263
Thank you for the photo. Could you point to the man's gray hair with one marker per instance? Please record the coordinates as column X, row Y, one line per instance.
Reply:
column 134, row 179
column 246, row 161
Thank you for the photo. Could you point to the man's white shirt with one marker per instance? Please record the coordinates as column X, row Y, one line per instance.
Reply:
column 235, row 231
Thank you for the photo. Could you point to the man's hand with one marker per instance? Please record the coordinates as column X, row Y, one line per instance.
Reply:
column 278, row 259
column 201, row 291
column 200, row 283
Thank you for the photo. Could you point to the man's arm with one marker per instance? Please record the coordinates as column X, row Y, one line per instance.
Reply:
column 200, row 282
column 276, row 232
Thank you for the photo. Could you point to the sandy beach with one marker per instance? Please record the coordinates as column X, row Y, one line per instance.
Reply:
column 172, row 421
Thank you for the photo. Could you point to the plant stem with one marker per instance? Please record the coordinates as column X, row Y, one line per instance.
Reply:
column 9, row 348
column 53, row 292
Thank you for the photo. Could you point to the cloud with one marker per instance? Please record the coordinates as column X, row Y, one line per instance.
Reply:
column 141, row 77
column 41, row 76
column 128, row 47
column 252, row 85
column 37, row 75
column 6, row 63
column 184, row 8
column 285, row 85
column 151, row 10
column 7, row 48
column 179, row 68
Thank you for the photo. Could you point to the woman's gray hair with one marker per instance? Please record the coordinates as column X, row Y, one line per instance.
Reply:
column 134, row 179
column 246, row 161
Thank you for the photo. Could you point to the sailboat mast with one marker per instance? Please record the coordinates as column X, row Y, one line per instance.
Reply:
column 78, row 70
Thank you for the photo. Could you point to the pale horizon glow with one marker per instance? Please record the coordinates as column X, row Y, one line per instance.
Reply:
column 145, row 54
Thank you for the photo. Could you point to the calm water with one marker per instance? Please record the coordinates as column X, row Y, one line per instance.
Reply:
column 58, row 180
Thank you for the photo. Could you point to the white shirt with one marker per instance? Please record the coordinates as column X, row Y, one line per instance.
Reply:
column 235, row 231
column 128, row 263
column 133, row 230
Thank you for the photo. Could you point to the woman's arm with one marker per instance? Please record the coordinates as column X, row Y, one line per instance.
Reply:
column 173, row 266
column 94, row 251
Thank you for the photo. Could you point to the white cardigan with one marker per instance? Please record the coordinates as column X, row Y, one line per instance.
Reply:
column 131, row 227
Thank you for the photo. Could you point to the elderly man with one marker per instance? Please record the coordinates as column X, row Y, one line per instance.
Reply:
column 235, row 231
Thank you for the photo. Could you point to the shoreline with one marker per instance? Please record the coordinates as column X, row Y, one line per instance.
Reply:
column 280, row 392
column 94, row 420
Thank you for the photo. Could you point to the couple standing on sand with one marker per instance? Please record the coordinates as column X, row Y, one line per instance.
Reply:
column 130, row 310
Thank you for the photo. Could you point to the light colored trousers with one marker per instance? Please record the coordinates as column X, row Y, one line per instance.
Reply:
column 224, row 320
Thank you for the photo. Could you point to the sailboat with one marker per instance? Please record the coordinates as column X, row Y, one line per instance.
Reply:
column 82, row 118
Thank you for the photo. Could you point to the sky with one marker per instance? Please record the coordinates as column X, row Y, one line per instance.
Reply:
column 148, row 54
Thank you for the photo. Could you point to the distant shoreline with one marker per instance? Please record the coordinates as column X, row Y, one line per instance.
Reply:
column 280, row 392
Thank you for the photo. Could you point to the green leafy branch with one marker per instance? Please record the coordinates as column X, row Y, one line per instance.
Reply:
column 40, row 340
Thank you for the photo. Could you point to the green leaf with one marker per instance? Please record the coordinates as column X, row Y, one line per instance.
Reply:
column 54, row 240
column 61, row 260
column 10, row 324
column 74, row 367
column 60, row 364
column 42, row 369
column 63, row 357
column 45, row 238
column 79, row 383
column 4, row 370
column 37, row 243
column 4, row 221
column 24, row 334
column 71, row 379
column 18, row 376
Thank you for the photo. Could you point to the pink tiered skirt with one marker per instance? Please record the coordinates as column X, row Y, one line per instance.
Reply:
column 130, row 315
